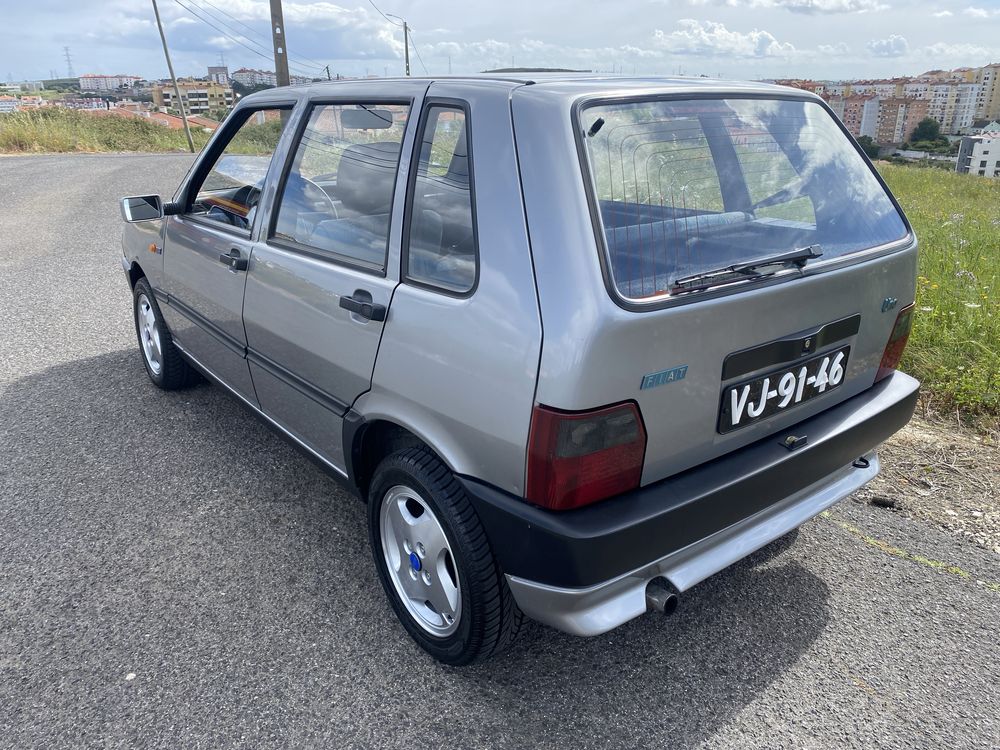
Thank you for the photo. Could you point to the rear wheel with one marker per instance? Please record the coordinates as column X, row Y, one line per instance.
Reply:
column 435, row 562
column 164, row 363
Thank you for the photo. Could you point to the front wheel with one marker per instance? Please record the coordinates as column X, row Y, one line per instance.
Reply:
column 435, row 562
column 164, row 363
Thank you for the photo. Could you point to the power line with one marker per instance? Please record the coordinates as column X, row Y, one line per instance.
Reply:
column 426, row 73
column 242, row 42
column 394, row 23
column 301, row 60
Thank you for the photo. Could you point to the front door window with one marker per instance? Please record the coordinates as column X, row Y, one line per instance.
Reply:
column 231, row 189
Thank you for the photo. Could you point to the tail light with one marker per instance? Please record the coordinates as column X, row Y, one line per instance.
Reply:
column 578, row 458
column 897, row 342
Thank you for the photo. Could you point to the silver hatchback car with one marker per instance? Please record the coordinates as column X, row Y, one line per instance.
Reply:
column 579, row 342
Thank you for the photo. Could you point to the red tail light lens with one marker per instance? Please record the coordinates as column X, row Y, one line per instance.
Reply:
column 897, row 343
column 578, row 458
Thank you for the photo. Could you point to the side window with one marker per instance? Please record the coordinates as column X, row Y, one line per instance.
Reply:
column 441, row 241
column 231, row 189
column 337, row 196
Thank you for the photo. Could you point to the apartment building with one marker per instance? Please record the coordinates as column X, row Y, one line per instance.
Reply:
column 897, row 117
column 219, row 74
column 199, row 97
column 253, row 77
column 979, row 155
column 91, row 82
column 857, row 114
column 8, row 104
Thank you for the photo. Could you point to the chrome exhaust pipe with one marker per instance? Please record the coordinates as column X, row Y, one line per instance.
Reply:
column 659, row 597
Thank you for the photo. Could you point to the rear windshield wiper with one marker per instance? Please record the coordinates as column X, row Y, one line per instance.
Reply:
column 745, row 271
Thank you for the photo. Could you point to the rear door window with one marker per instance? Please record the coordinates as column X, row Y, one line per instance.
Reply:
column 337, row 196
column 688, row 187
column 441, row 237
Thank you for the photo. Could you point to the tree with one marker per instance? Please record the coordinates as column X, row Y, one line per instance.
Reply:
column 868, row 146
column 927, row 129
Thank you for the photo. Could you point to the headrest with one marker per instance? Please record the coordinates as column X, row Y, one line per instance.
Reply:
column 366, row 176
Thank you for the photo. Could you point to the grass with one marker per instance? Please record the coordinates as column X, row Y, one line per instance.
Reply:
column 954, row 348
column 54, row 129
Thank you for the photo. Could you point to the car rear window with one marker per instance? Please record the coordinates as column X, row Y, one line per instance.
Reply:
column 688, row 187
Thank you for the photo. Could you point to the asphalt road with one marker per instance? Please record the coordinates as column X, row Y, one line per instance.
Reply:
column 174, row 575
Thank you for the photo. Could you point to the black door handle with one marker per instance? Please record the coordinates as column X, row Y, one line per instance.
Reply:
column 234, row 261
column 361, row 304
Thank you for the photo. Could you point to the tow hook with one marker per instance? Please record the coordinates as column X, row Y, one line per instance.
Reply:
column 659, row 597
column 861, row 463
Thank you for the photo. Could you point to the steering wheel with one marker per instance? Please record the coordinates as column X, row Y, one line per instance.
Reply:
column 311, row 198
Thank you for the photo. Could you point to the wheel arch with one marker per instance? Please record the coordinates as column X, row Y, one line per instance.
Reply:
column 135, row 273
column 368, row 440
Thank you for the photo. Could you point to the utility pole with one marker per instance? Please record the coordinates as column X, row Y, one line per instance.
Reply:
column 280, row 44
column 170, row 68
column 406, row 45
column 327, row 69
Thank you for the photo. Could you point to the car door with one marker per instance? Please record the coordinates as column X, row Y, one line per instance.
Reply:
column 206, row 248
column 322, row 276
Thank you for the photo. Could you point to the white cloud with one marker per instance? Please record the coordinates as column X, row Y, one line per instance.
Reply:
column 964, row 53
column 841, row 49
column 943, row 14
column 821, row 6
column 711, row 39
column 978, row 12
column 892, row 46
column 796, row 6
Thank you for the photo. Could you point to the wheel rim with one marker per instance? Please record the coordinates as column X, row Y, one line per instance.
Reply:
column 420, row 562
column 149, row 334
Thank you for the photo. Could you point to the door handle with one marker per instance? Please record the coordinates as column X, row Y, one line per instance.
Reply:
column 234, row 261
column 361, row 304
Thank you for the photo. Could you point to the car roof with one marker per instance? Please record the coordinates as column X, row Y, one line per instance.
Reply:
column 559, row 84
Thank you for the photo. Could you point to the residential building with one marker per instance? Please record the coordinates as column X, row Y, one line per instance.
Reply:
column 199, row 97
column 218, row 74
column 91, row 82
column 897, row 117
column 979, row 155
column 988, row 105
column 869, row 117
column 854, row 114
column 252, row 77
column 8, row 104
column 83, row 102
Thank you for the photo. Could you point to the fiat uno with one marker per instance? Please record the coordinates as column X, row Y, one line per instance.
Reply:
column 578, row 342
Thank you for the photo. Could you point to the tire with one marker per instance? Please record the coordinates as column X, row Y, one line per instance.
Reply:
column 163, row 361
column 413, row 487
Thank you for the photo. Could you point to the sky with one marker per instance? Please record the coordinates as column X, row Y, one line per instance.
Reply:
column 745, row 39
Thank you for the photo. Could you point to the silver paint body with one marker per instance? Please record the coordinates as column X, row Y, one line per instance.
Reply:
column 463, row 373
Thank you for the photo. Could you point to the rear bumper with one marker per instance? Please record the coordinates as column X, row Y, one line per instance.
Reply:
column 585, row 571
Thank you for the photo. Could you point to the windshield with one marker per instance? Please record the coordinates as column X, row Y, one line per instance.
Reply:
column 686, row 187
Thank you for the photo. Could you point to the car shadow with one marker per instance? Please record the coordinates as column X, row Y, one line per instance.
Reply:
column 173, row 537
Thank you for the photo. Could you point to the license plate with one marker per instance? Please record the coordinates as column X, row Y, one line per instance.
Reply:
column 759, row 398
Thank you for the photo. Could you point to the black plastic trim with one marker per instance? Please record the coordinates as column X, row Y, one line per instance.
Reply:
column 227, row 340
column 289, row 378
column 789, row 348
column 584, row 547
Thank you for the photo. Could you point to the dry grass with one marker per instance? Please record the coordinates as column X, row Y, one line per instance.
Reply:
column 948, row 476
